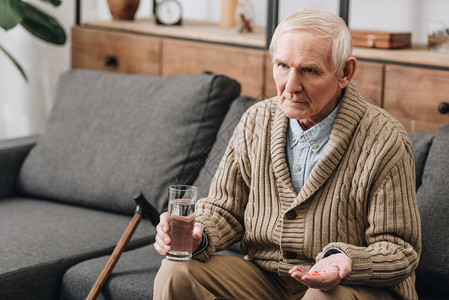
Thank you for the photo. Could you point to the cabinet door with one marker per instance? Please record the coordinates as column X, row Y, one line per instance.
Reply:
column 412, row 96
column 115, row 51
column 369, row 80
column 270, row 86
column 242, row 64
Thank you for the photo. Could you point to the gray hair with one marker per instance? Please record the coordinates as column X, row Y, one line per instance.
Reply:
column 326, row 24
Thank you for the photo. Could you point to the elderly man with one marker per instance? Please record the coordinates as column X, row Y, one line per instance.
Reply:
column 317, row 184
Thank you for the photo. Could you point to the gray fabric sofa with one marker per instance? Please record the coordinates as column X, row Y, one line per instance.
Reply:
column 66, row 196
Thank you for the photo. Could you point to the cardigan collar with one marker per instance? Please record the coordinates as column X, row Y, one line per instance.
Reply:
column 352, row 109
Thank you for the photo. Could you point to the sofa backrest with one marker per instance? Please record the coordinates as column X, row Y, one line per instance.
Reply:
column 433, row 203
column 421, row 145
column 238, row 107
column 111, row 135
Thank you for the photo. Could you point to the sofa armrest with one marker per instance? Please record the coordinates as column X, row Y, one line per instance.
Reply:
column 12, row 155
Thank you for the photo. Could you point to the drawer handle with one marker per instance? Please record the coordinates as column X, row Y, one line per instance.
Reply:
column 111, row 61
column 371, row 40
column 443, row 107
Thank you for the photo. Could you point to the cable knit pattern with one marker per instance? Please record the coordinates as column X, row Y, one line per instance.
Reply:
column 360, row 197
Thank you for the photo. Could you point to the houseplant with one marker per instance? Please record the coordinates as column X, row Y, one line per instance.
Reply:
column 34, row 20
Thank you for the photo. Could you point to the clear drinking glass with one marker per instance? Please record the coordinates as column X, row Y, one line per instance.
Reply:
column 181, row 214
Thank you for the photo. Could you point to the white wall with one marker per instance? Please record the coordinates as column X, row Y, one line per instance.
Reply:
column 24, row 106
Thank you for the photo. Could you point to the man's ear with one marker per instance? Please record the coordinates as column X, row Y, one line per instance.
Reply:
column 348, row 72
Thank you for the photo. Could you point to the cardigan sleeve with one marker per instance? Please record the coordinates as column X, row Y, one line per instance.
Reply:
column 393, row 235
column 222, row 211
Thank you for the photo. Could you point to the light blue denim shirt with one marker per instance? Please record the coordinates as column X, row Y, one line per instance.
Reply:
column 305, row 148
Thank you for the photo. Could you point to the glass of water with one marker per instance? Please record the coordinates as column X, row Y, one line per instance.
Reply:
column 181, row 216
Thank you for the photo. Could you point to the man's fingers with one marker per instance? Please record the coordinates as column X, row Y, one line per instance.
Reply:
column 298, row 274
column 198, row 231
column 297, row 277
column 159, row 229
column 162, row 236
column 163, row 222
column 297, row 270
column 162, row 240
column 312, row 281
column 308, row 280
column 316, row 279
column 344, row 271
column 161, row 249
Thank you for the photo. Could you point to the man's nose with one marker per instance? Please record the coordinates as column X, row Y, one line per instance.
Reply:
column 294, row 82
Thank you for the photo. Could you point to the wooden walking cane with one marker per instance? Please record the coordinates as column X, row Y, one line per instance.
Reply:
column 143, row 208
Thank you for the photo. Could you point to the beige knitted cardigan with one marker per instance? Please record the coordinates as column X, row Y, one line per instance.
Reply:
column 360, row 197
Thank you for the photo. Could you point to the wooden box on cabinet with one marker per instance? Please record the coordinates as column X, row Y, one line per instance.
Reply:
column 381, row 39
column 412, row 95
column 115, row 51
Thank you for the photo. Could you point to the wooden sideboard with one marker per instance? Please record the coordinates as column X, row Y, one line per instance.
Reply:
column 143, row 47
column 409, row 83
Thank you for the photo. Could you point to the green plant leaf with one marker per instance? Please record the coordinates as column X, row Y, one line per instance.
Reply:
column 11, row 13
column 42, row 25
column 54, row 2
column 15, row 62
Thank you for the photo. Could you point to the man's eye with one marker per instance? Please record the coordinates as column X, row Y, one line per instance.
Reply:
column 309, row 70
column 283, row 66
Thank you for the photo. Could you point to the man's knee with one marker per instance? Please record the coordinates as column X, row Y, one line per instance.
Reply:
column 338, row 293
column 173, row 278
column 344, row 292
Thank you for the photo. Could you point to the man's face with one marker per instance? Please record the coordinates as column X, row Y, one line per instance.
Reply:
column 307, row 87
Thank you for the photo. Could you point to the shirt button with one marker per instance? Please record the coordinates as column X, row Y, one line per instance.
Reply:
column 315, row 146
column 291, row 215
column 304, row 138
column 290, row 255
column 298, row 168
column 293, row 140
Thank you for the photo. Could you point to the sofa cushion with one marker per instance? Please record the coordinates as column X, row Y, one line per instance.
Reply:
column 40, row 240
column 433, row 203
column 421, row 145
column 238, row 107
column 132, row 277
column 111, row 135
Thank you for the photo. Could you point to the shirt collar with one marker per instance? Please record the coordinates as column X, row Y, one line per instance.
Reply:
column 316, row 136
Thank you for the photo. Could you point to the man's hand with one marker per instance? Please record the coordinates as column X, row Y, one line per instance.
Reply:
column 325, row 274
column 163, row 242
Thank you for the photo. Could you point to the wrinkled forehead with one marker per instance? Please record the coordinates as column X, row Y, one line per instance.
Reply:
column 323, row 38
column 304, row 40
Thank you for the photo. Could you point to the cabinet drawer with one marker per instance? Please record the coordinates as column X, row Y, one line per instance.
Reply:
column 188, row 57
column 412, row 96
column 369, row 80
column 115, row 51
